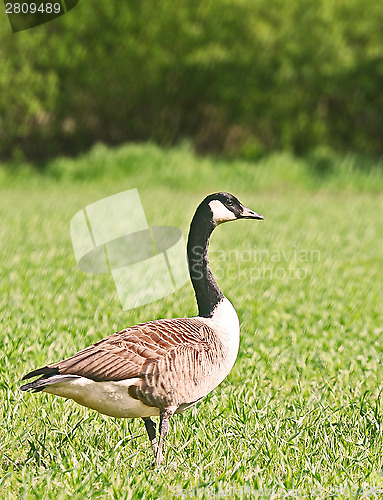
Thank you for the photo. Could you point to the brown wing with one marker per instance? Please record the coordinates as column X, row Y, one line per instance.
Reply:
column 125, row 354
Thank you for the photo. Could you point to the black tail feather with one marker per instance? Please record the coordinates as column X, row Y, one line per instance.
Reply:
column 42, row 382
column 46, row 371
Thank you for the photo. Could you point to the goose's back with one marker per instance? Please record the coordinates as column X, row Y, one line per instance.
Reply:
column 175, row 361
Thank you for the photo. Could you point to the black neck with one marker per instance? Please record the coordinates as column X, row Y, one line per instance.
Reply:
column 206, row 289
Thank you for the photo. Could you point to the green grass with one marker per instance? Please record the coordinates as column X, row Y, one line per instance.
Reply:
column 301, row 409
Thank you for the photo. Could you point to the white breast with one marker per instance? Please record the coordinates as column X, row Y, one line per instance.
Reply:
column 225, row 322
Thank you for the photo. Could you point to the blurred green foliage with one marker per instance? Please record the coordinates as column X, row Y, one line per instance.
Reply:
column 241, row 77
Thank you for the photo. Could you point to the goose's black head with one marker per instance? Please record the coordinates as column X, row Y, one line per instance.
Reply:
column 214, row 209
column 223, row 207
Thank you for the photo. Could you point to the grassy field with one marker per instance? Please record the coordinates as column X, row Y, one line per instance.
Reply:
column 300, row 414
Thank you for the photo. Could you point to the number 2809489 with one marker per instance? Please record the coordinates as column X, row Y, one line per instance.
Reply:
column 32, row 8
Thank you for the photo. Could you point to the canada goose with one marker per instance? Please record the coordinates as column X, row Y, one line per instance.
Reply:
column 160, row 367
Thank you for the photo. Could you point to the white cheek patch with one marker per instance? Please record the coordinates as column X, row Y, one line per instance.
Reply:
column 220, row 212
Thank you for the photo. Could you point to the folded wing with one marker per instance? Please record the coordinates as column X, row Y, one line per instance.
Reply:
column 126, row 354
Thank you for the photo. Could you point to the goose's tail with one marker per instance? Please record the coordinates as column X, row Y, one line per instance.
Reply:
column 49, row 376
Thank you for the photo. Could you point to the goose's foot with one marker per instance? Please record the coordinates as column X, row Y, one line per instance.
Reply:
column 150, row 427
column 165, row 416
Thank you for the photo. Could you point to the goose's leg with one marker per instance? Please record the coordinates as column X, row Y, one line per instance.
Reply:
column 165, row 416
column 150, row 427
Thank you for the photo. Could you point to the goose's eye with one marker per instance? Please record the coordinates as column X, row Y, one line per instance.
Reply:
column 229, row 202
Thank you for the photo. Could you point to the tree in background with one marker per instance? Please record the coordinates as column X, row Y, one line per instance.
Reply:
column 234, row 76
